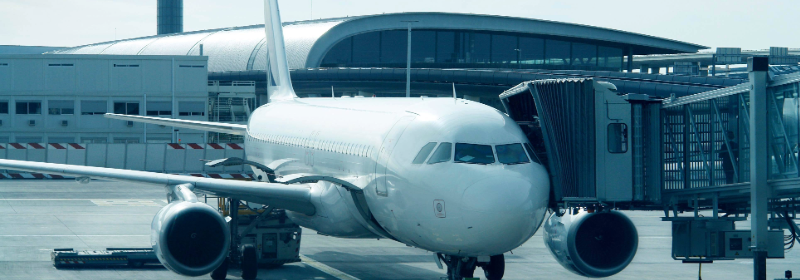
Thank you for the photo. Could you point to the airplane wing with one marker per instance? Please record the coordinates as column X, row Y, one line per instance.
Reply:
column 290, row 197
column 236, row 129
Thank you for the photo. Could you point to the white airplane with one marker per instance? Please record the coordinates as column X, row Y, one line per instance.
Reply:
column 450, row 176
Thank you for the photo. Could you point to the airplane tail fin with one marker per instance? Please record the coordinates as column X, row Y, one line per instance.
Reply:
column 279, row 84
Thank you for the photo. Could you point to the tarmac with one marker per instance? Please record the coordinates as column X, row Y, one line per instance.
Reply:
column 39, row 215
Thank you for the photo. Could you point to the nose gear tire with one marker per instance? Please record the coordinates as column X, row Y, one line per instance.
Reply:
column 496, row 267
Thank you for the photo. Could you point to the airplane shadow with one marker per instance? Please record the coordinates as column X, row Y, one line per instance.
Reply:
column 368, row 267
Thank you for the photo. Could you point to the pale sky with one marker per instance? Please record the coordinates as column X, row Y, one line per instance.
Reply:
column 749, row 24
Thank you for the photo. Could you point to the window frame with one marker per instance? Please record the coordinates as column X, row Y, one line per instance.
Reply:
column 494, row 156
column 59, row 110
column 427, row 154
column 497, row 154
column 127, row 108
column 623, row 139
column 27, row 107
column 449, row 154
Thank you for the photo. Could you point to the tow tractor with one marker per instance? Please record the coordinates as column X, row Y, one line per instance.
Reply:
column 261, row 237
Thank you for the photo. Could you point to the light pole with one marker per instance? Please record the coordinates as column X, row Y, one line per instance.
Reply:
column 408, row 59
column 519, row 58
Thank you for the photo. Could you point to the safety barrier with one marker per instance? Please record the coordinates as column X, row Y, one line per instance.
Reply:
column 165, row 158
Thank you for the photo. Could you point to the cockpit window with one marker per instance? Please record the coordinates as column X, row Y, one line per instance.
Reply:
column 424, row 152
column 471, row 153
column 533, row 155
column 441, row 154
column 511, row 154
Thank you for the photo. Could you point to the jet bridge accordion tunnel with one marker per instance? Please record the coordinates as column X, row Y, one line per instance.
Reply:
column 594, row 143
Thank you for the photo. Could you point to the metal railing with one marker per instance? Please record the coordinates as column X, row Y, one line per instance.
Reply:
column 706, row 136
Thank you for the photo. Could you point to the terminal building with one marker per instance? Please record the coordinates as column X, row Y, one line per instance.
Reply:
column 366, row 55
column 362, row 56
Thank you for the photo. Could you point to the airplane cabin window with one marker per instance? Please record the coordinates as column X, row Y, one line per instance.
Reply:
column 442, row 153
column 423, row 153
column 511, row 154
column 472, row 153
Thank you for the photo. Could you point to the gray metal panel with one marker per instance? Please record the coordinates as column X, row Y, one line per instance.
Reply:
column 35, row 154
column 155, row 157
column 96, row 155
column 76, row 154
column 17, row 154
column 116, row 156
column 136, row 156
column 193, row 157
column 175, row 158
column 55, row 155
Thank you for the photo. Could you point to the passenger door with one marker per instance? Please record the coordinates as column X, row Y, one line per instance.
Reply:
column 389, row 143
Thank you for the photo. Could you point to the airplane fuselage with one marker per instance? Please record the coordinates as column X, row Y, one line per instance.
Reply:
column 463, row 206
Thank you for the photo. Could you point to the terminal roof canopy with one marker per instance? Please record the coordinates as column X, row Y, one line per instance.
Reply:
column 309, row 42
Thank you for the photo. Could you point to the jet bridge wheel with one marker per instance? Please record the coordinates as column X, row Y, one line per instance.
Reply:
column 249, row 262
column 496, row 267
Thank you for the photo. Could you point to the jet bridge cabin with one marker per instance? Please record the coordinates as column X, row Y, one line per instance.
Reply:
column 594, row 143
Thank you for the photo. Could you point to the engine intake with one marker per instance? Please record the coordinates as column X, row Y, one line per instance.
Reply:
column 190, row 238
column 595, row 245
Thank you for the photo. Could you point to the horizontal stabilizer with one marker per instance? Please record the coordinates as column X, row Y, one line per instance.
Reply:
column 236, row 129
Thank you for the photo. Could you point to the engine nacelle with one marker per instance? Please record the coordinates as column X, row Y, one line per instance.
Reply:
column 596, row 245
column 190, row 238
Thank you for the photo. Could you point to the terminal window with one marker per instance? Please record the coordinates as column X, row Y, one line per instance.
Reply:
column 126, row 108
column 60, row 107
column 159, row 108
column 29, row 107
column 472, row 49
column 93, row 107
column 192, row 108
column 3, row 107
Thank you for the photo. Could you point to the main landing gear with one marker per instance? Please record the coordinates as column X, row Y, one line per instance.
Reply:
column 460, row 267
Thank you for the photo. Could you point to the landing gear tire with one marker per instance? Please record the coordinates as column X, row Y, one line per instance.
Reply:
column 249, row 262
column 222, row 271
column 468, row 270
column 458, row 267
column 496, row 267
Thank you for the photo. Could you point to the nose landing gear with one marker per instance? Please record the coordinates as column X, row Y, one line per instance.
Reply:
column 495, row 268
column 460, row 267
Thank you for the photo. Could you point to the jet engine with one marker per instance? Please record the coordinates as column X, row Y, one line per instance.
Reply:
column 595, row 245
column 190, row 238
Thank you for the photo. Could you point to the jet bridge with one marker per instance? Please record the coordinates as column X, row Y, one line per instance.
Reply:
column 593, row 141
column 609, row 150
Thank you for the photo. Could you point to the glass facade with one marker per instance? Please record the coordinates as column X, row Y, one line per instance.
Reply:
column 471, row 49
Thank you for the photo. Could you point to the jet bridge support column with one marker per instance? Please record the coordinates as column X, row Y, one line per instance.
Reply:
column 759, row 190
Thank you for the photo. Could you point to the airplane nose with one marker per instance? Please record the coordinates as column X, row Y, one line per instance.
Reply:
column 500, row 213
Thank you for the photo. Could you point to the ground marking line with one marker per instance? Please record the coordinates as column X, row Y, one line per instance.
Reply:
column 71, row 235
column 74, row 199
column 327, row 269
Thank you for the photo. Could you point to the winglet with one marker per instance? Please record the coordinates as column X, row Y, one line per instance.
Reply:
column 279, row 84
